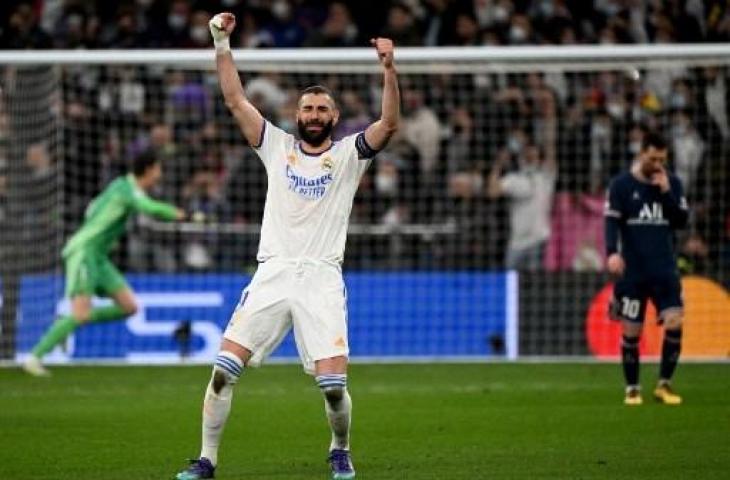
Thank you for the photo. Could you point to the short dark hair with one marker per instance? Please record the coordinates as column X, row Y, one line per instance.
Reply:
column 318, row 90
column 143, row 162
column 653, row 139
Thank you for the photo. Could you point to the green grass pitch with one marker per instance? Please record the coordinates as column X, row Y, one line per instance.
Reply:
column 446, row 422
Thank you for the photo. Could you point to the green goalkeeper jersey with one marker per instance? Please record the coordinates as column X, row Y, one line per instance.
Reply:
column 107, row 214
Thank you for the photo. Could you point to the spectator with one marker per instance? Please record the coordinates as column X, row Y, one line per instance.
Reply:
column 39, row 208
column 718, row 21
column 422, row 129
column 205, row 204
column 520, row 30
column 250, row 35
column 176, row 33
column 198, row 33
column 284, row 30
column 189, row 103
column 439, row 23
column 354, row 116
column 123, row 33
column 3, row 194
column 688, row 149
column 23, row 30
column 401, row 27
column 338, row 30
column 530, row 192
column 467, row 30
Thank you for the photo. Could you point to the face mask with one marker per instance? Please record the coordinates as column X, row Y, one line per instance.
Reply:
column 600, row 130
column 500, row 14
column 199, row 34
column 385, row 183
column 281, row 10
column 547, row 8
column 517, row 34
column 679, row 130
column 678, row 101
column 176, row 21
column 616, row 110
column 287, row 126
column 634, row 147
column 514, row 145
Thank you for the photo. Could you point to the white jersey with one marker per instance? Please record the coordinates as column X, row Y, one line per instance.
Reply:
column 309, row 197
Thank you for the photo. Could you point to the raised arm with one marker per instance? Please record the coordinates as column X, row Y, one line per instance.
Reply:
column 249, row 119
column 378, row 133
column 494, row 181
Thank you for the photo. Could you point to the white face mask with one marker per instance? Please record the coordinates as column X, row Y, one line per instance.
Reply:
column 615, row 109
column 281, row 9
column 600, row 130
column 385, row 183
column 634, row 147
column 500, row 14
column 199, row 34
column 176, row 21
column 514, row 144
column 517, row 34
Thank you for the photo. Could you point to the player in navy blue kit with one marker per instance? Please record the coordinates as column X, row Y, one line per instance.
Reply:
column 644, row 208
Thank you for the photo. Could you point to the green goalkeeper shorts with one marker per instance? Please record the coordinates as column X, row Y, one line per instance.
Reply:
column 91, row 273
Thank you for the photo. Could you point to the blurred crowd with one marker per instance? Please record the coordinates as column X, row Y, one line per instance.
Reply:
column 348, row 23
column 494, row 169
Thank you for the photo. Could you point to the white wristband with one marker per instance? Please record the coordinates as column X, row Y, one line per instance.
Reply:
column 222, row 46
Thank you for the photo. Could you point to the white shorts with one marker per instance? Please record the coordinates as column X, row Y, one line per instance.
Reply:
column 310, row 297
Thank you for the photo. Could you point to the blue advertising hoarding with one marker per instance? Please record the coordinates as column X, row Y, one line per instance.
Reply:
column 403, row 315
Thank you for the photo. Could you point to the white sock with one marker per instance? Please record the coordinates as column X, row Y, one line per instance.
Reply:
column 217, row 402
column 338, row 406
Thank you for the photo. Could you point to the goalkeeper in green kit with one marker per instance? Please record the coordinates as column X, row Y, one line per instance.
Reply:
column 89, row 271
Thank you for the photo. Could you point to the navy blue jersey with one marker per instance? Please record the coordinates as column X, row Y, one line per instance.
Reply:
column 640, row 224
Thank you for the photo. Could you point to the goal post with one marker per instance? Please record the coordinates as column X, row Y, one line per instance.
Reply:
column 428, row 244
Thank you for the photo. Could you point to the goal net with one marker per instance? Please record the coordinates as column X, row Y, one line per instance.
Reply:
column 440, row 262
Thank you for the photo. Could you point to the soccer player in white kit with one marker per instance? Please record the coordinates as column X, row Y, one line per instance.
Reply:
column 298, row 284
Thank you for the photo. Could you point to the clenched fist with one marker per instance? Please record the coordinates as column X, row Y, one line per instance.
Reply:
column 221, row 26
column 384, row 47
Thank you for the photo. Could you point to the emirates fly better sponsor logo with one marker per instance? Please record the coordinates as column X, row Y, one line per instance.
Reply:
column 310, row 188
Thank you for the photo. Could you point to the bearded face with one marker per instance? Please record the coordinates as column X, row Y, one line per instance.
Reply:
column 653, row 161
column 314, row 132
column 316, row 118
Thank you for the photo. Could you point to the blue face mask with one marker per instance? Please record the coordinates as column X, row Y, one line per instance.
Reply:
column 678, row 101
column 287, row 125
column 547, row 8
column 514, row 145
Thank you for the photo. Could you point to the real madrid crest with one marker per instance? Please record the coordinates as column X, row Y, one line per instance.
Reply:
column 327, row 163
